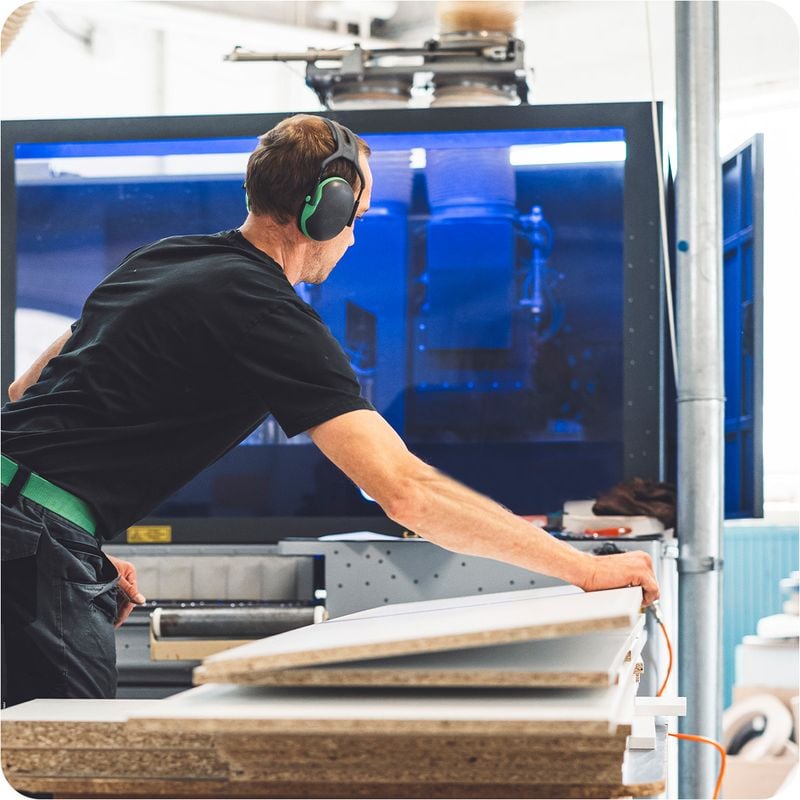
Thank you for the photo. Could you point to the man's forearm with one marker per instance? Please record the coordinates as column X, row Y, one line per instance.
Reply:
column 457, row 518
column 31, row 375
column 419, row 497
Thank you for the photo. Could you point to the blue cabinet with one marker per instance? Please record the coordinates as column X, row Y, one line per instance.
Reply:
column 743, row 257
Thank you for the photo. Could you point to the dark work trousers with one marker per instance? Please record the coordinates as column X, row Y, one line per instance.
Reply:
column 59, row 605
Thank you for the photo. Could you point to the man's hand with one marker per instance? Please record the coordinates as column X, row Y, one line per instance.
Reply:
column 622, row 569
column 129, row 591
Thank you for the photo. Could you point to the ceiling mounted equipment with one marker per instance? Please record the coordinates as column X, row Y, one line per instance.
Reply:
column 487, row 68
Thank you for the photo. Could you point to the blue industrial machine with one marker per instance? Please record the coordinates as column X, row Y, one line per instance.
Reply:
column 502, row 306
column 743, row 279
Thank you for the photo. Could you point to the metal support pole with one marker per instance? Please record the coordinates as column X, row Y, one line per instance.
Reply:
column 701, row 388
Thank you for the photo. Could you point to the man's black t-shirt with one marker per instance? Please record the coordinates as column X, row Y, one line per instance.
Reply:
column 178, row 355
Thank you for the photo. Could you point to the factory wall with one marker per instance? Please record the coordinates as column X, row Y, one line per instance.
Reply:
column 108, row 59
column 757, row 556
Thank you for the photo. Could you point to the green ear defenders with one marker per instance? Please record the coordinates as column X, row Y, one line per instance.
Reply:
column 331, row 205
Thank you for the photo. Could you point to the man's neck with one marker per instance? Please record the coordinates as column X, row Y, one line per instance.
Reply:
column 282, row 243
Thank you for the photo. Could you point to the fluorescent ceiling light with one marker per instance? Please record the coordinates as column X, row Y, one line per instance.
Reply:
column 146, row 166
column 525, row 155
column 528, row 155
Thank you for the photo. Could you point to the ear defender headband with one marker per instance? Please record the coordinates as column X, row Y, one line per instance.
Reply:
column 331, row 205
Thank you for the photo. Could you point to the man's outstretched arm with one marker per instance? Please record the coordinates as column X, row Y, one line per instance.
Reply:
column 31, row 375
column 414, row 494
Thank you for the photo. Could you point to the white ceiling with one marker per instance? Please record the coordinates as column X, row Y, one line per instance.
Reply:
column 579, row 50
column 116, row 57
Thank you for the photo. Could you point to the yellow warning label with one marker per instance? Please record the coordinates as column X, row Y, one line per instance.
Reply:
column 149, row 534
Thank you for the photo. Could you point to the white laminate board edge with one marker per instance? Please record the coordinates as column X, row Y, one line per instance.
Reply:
column 76, row 710
column 628, row 684
column 521, row 616
column 635, row 642
column 240, row 703
column 587, row 660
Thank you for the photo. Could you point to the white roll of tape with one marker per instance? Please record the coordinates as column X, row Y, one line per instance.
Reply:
column 778, row 728
column 155, row 623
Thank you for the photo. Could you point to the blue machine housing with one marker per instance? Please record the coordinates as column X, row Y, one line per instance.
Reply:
column 469, row 285
column 743, row 257
column 529, row 368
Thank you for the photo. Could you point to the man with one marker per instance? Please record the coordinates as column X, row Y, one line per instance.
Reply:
column 178, row 355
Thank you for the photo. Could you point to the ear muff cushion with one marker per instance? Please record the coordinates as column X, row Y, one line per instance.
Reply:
column 328, row 212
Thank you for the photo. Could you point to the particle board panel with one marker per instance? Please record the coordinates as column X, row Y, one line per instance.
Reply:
column 466, row 745
column 642, row 774
column 130, row 762
column 587, row 660
column 149, row 789
column 430, row 777
column 441, row 763
column 351, row 760
column 450, row 624
column 230, row 708
column 189, row 649
column 81, row 723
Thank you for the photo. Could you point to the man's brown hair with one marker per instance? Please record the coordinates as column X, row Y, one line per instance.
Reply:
column 284, row 168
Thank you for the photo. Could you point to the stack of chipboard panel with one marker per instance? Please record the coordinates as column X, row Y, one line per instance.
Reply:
column 520, row 694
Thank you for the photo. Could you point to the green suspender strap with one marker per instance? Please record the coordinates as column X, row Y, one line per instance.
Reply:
column 51, row 497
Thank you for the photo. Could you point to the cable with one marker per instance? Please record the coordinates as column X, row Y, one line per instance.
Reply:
column 662, row 208
column 669, row 665
column 723, row 756
column 655, row 608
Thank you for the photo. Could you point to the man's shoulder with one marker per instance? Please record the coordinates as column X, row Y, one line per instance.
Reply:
column 218, row 257
column 212, row 245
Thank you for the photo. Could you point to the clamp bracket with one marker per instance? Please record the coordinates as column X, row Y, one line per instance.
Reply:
column 699, row 564
column 670, row 549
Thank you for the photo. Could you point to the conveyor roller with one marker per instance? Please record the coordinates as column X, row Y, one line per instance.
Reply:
column 231, row 623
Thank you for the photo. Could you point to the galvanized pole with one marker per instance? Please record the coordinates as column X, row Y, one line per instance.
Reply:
column 701, row 388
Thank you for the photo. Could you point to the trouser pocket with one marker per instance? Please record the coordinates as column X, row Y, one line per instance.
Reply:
column 89, row 663
column 85, row 583
column 59, row 607
column 24, row 670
